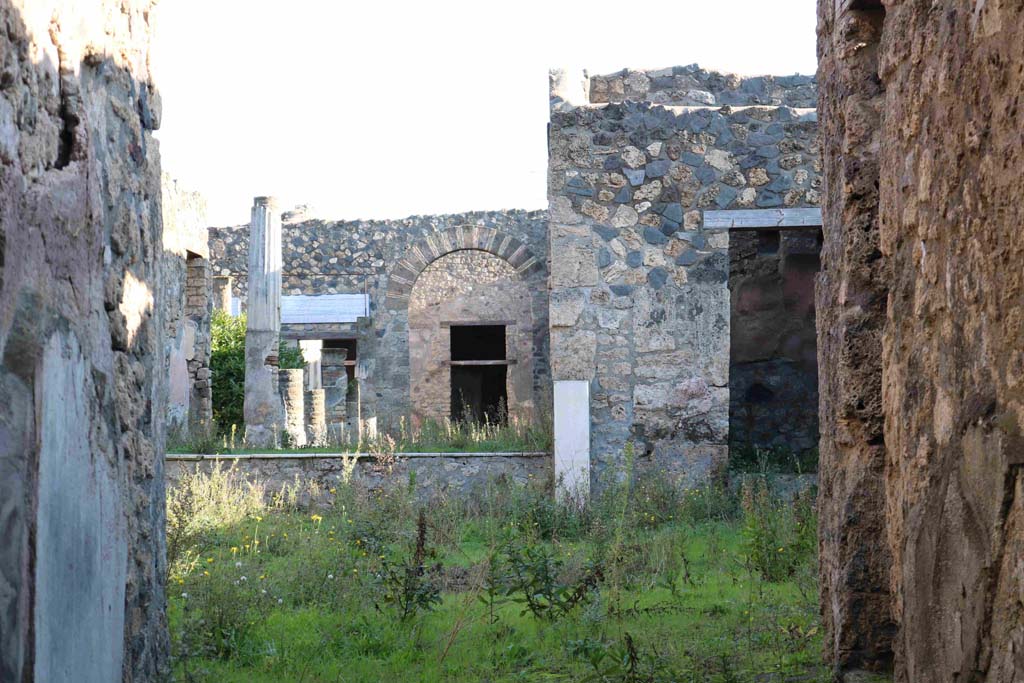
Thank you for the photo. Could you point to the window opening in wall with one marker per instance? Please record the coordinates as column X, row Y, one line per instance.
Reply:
column 479, row 370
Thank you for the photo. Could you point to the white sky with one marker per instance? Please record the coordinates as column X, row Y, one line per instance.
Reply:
column 386, row 108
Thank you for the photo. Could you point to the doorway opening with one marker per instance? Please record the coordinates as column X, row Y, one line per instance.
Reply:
column 479, row 372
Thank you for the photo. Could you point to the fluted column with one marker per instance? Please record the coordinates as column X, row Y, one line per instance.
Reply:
column 264, row 416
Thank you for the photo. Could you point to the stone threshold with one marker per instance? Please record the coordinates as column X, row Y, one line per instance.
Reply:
column 196, row 457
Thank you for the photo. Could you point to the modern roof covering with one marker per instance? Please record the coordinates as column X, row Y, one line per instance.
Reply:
column 325, row 308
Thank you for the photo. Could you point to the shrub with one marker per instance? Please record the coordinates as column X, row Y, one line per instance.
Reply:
column 409, row 584
column 778, row 537
column 227, row 366
column 535, row 581
column 199, row 504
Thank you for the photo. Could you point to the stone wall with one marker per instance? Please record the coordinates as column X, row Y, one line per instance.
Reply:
column 923, row 346
column 639, row 294
column 773, row 365
column 383, row 259
column 851, row 295
column 187, row 286
column 81, row 338
column 435, row 476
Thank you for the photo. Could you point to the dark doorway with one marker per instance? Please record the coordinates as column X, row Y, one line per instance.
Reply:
column 479, row 373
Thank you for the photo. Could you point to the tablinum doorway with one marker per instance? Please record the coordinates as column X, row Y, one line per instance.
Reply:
column 479, row 372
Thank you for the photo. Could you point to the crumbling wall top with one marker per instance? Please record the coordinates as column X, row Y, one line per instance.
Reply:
column 694, row 86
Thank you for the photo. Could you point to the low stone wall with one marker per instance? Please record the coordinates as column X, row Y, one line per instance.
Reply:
column 435, row 473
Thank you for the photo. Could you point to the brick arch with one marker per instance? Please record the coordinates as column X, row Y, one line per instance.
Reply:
column 403, row 274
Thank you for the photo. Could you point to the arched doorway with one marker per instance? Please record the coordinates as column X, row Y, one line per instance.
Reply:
column 470, row 339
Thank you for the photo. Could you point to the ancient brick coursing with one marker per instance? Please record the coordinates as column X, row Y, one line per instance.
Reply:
column 923, row 342
column 81, row 342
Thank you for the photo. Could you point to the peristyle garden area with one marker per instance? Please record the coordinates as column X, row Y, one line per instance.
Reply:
column 341, row 581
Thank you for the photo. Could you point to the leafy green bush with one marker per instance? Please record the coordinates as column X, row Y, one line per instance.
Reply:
column 535, row 581
column 227, row 366
column 778, row 536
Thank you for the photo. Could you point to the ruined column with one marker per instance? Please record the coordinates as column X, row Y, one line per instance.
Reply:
column 222, row 293
column 316, row 421
column 335, row 382
column 292, row 383
column 264, row 416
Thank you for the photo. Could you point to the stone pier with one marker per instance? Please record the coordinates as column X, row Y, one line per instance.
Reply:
column 335, row 382
column 292, row 383
column 264, row 415
column 316, row 422
column 222, row 293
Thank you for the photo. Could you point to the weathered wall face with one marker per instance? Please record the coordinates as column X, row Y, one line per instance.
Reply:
column 851, row 295
column 434, row 476
column 773, row 373
column 383, row 259
column 81, row 338
column 467, row 286
column 951, row 217
column 187, row 286
column 639, row 295
column 924, row 274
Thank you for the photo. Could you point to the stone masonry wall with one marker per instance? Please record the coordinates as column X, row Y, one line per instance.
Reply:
column 692, row 85
column 434, row 476
column 187, row 286
column 639, row 296
column 951, row 213
column 923, row 102
column 81, row 341
column 361, row 256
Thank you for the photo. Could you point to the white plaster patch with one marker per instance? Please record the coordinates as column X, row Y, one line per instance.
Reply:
column 572, row 439
column 136, row 303
column 81, row 549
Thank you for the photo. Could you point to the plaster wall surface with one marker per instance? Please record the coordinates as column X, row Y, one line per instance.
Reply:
column 81, row 346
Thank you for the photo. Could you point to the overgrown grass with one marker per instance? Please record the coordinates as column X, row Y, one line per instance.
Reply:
column 645, row 584
column 511, row 435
